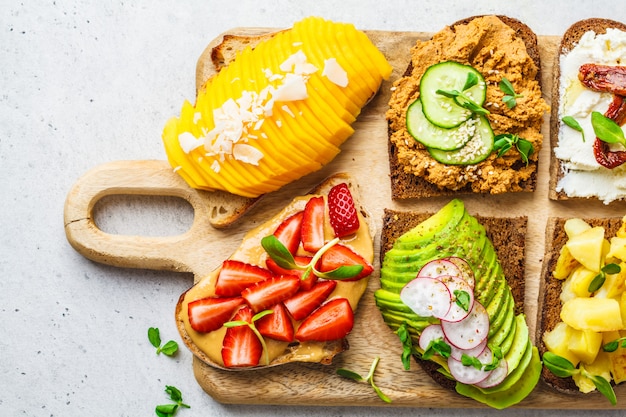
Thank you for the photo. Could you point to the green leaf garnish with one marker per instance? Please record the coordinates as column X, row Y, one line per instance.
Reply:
column 473, row 361
column 614, row 344
column 563, row 368
column 604, row 387
column 462, row 299
column 283, row 258
column 510, row 95
column 504, row 142
column 166, row 410
column 154, row 336
column 597, row 282
column 251, row 325
column 369, row 378
column 606, row 129
column 437, row 346
column 471, row 81
column 407, row 345
column 463, row 100
column 573, row 123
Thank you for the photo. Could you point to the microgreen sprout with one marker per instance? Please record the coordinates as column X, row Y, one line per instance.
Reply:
column 510, row 95
column 573, row 123
column 606, row 129
column 281, row 255
column 563, row 368
column 597, row 282
column 167, row 410
column 463, row 99
column 504, row 142
column 169, row 348
column 257, row 316
column 369, row 378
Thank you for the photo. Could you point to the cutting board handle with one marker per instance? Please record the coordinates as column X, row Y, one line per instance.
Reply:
column 150, row 178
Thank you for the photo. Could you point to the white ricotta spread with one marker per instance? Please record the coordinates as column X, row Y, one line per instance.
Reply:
column 583, row 176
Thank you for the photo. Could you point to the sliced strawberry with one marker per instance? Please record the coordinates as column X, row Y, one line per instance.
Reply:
column 304, row 302
column 208, row 314
column 264, row 294
column 305, row 284
column 277, row 325
column 241, row 347
column 288, row 232
column 313, row 225
column 341, row 211
column 339, row 255
column 331, row 321
column 235, row 276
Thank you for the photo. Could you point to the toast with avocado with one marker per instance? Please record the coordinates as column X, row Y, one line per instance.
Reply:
column 452, row 288
column 288, row 292
column 581, row 165
column 466, row 115
column 580, row 327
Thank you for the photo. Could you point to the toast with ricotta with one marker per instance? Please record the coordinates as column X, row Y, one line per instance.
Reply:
column 241, row 279
column 499, row 47
column 574, row 172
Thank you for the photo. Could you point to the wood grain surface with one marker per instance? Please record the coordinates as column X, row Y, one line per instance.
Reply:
column 364, row 156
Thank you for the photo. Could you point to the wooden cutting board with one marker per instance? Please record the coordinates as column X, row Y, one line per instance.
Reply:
column 364, row 156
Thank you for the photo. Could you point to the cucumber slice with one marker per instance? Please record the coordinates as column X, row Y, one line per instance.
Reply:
column 448, row 112
column 475, row 150
column 433, row 136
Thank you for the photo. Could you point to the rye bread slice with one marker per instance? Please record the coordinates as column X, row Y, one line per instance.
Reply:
column 549, row 307
column 570, row 38
column 406, row 185
column 508, row 235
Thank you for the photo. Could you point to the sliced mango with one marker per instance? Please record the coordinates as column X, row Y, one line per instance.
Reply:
column 289, row 137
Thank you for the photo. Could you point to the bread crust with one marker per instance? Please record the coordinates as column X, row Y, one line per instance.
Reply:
column 549, row 306
column 569, row 40
column 406, row 185
column 330, row 348
column 508, row 235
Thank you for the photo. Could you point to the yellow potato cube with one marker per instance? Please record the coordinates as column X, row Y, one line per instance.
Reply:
column 575, row 227
column 613, row 286
column 566, row 291
column 581, row 278
column 585, row 344
column 618, row 248
column 622, row 230
column 618, row 358
column 565, row 264
column 622, row 306
column 557, row 342
column 597, row 314
column 587, row 247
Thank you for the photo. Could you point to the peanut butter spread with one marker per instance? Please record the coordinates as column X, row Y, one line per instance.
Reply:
column 494, row 49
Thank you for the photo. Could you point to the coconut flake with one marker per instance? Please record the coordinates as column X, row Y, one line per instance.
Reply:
column 293, row 88
column 335, row 73
column 188, row 142
column 247, row 153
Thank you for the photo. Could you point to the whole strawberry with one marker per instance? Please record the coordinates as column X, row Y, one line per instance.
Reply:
column 341, row 211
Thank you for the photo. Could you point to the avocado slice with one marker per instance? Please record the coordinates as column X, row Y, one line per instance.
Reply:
column 513, row 394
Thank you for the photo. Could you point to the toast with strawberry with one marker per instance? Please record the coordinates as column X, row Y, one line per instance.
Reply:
column 289, row 292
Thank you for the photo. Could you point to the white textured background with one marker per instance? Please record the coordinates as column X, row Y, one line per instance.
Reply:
column 83, row 83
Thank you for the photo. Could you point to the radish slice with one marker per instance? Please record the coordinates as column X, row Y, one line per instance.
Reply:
column 469, row 332
column 430, row 333
column 496, row 376
column 457, row 310
column 457, row 353
column 467, row 374
column 427, row 297
column 437, row 268
column 466, row 270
